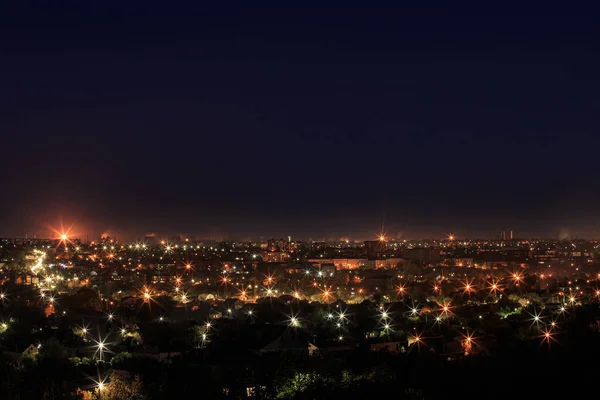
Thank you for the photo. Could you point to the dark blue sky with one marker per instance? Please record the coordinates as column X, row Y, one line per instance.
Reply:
column 315, row 122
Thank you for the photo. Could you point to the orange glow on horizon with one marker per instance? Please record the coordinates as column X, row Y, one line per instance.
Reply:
column 63, row 235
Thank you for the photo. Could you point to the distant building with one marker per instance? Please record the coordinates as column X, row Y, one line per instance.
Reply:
column 151, row 240
column 377, row 282
column 176, row 239
column 328, row 269
column 388, row 263
column 375, row 249
column 459, row 262
column 341, row 264
column 275, row 256
column 280, row 244
column 422, row 255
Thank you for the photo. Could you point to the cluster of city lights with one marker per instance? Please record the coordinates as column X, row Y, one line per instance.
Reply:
column 441, row 312
column 544, row 324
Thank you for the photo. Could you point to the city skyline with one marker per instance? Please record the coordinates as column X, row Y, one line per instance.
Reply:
column 74, row 232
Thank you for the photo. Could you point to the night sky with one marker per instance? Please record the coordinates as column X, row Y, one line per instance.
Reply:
column 243, row 122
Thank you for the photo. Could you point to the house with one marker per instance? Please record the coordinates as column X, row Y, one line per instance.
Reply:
column 157, row 355
column 389, row 347
column 338, row 347
column 30, row 351
column 16, row 356
column 129, row 301
column 233, row 303
column 476, row 346
column 313, row 350
column 265, row 339
column 284, row 343
column 286, row 298
column 214, row 314
column 321, row 347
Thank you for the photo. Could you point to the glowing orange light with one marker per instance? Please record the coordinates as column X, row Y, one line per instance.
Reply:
column 63, row 235
column 468, row 287
column 547, row 336
column 468, row 342
column 516, row 277
column 146, row 295
column 446, row 308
